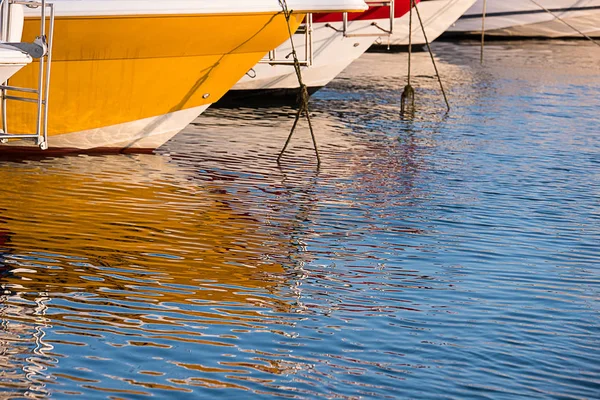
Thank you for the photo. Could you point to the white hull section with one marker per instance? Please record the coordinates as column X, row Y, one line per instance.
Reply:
column 332, row 53
column 148, row 133
column 8, row 69
column 437, row 16
column 11, row 61
column 526, row 19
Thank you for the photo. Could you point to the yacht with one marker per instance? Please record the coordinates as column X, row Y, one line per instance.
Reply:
column 128, row 75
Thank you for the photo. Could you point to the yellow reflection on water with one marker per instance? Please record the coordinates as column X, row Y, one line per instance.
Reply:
column 138, row 214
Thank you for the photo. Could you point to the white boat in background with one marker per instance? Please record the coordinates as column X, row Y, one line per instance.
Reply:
column 524, row 18
column 437, row 16
column 326, row 45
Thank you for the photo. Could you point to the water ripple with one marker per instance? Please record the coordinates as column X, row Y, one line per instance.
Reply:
column 450, row 256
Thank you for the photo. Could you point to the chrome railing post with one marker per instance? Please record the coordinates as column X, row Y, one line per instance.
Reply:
column 345, row 24
column 392, row 16
column 309, row 40
column 4, row 9
column 5, row 17
column 50, row 43
column 40, row 99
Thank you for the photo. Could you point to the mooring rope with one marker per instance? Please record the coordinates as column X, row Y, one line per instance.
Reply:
column 437, row 73
column 303, row 95
column 483, row 29
column 408, row 94
column 565, row 22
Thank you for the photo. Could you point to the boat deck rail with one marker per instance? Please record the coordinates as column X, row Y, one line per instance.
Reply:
column 306, row 30
column 386, row 31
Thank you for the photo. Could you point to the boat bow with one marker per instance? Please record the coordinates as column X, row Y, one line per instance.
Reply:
column 130, row 74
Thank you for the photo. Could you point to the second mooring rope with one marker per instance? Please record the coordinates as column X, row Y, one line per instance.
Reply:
column 408, row 95
column 437, row 73
column 483, row 30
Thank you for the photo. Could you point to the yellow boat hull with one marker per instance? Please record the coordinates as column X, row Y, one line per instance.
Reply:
column 133, row 82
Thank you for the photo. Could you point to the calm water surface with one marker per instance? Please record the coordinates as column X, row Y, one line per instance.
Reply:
column 437, row 256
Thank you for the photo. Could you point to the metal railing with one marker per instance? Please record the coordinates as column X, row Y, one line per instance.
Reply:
column 41, row 48
column 385, row 31
column 306, row 29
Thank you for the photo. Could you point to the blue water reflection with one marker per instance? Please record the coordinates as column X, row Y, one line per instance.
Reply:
column 439, row 256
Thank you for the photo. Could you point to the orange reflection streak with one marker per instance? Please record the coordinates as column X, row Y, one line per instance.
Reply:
column 109, row 234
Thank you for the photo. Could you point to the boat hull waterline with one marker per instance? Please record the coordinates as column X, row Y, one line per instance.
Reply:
column 132, row 81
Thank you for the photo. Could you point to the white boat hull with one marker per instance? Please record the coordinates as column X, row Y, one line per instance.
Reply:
column 8, row 69
column 520, row 18
column 437, row 16
column 332, row 54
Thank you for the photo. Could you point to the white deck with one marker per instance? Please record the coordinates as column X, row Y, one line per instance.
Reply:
column 176, row 7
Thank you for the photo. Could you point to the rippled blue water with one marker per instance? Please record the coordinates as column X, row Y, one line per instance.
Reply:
column 439, row 256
